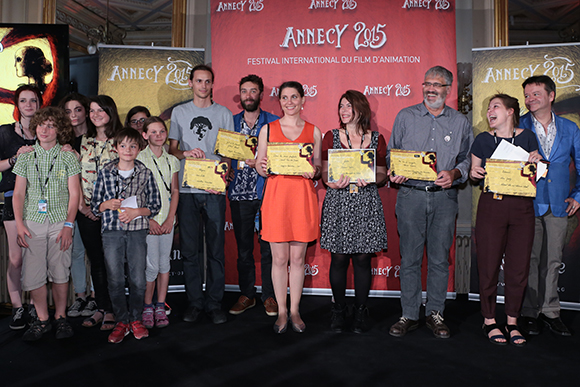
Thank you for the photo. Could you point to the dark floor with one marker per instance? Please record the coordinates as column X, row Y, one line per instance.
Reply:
column 246, row 352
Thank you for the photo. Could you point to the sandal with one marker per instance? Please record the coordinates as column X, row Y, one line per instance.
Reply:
column 495, row 339
column 95, row 319
column 108, row 323
column 513, row 339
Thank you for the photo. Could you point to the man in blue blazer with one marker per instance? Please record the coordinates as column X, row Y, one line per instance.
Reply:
column 559, row 140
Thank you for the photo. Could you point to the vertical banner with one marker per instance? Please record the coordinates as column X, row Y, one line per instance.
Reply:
column 504, row 70
column 381, row 48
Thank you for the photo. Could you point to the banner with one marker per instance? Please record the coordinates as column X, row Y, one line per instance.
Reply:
column 381, row 48
column 503, row 70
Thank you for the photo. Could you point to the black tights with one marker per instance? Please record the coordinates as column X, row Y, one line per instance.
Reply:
column 361, row 264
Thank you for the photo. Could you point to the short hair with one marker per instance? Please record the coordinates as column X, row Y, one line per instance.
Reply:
column 254, row 79
column 510, row 103
column 440, row 71
column 292, row 85
column 544, row 80
column 108, row 105
column 134, row 110
column 201, row 67
column 17, row 93
column 360, row 104
column 152, row 120
column 129, row 134
column 64, row 130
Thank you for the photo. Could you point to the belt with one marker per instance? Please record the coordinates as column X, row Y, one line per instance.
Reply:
column 426, row 188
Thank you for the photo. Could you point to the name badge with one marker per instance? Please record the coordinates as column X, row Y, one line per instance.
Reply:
column 241, row 164
column 42, row 206
column 352, row 188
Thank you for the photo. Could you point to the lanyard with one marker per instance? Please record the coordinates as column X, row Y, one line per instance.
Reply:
column 495, row 136
column 119, row 193
column 161, row 174
column 43, row 186
column 98, row 158
column 362, row 139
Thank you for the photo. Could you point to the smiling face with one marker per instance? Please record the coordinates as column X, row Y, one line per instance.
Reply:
column 291, row 101
column 201, row 84
column 27, row 103
column 46, row 134
column 498, row 115
column 98, row 116
column 137, row 121
column 250, row 96
column 347, row 113
column 76, row 112
column 156, row 134
column 128, row 150
column 434, row 93
column 537, row 98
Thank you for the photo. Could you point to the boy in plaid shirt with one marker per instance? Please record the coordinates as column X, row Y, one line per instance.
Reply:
column 46, row 197
column 126, row 196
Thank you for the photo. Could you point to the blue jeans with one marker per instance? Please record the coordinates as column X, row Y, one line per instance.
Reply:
column 131, row 247
column 243, row 216
column 192, row 210
column 425, row 218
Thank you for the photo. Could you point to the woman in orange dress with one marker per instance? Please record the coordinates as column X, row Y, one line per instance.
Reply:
column 290, row 212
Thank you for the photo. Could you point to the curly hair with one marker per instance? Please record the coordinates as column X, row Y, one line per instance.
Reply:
column 64, row 130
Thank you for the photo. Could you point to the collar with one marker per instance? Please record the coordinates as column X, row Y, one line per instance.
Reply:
column 424, row 111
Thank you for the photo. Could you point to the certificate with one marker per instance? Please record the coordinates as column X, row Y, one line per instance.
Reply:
column 205, row 174
column 290, row 158
column 235, row 145
column 414, row 165
column 517, row 178
column 354, row 163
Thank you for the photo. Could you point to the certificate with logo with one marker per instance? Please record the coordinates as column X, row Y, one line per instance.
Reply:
column 290, row 158
column 516, row 178
column 354, row 163
column 205, row 174
column 414, row 165
column 235, row 145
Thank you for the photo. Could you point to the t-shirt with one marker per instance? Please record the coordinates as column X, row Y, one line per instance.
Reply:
column 10, row 142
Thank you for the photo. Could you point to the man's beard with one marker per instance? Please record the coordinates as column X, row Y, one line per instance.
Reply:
column 250, row 106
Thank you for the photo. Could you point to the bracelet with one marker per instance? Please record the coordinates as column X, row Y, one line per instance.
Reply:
column 69, row 225
column 12, row 160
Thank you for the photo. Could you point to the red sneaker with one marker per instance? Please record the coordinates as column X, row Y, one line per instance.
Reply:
column 121, row 330
column 139, row 330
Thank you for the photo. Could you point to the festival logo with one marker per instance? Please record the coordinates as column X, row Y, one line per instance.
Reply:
column 252, row 6
column 441, row 5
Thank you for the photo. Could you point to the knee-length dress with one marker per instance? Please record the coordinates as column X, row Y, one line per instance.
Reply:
column 354, row 223
column 290, row 205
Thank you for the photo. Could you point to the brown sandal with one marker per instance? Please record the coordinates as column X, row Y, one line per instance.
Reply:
column 108, row 324
column 94, row 321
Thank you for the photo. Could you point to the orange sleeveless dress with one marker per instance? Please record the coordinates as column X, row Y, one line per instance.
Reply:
column 290, row 205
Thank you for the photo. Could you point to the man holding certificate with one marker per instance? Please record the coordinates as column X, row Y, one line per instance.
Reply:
column 193, row 133
column 245, row 194
column 426, row 210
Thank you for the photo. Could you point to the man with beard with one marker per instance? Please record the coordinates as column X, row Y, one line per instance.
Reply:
column 245, row 194
column 193, row 133
column 426, row 210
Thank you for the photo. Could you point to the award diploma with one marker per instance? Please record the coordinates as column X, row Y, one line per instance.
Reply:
column 235, row 145
column 205, row 174
column 290, row 158
column 354, row 163
column 414, row 165
column 516, row 178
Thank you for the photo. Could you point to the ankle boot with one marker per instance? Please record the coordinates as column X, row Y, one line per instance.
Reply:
column 337, row 320
column 361, row 314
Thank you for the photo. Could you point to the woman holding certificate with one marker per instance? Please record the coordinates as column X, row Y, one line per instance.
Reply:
column 290, row 206
column 353, row 221
column 505, row 224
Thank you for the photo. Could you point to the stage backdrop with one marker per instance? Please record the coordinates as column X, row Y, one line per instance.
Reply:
column 381, row 48
column 504, row 70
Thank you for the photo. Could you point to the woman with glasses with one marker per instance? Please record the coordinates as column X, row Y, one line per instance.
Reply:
column 136, row 117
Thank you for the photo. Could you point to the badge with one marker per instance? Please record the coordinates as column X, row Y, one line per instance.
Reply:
column 42, row 206
column 447, row 138
column 241, row 164
column 352, row 188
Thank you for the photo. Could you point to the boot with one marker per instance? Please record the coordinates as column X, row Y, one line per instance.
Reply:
column 337, row 320
column 361, row 314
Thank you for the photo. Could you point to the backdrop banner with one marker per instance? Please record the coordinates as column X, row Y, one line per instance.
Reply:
column 504, row 70
column 381, row 48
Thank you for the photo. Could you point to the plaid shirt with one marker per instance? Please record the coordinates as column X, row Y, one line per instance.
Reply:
column 111, row 185
column 55, row 192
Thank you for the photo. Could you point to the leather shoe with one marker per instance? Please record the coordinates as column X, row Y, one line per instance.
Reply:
column 192, row 314
column 242, row 305
column 217, row 316
column 436, row 324
column 556, row 325
column 529, row 326
column 404, row 325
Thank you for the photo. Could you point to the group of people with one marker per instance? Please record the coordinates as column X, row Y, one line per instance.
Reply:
column 115, row 166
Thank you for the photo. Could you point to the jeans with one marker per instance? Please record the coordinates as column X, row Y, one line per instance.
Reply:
column 130, row 247
column 192, row 210
column 243, row 216
column 425, row 218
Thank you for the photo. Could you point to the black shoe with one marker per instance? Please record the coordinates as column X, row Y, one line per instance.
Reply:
column 217, row 316
column 337, row 319
column 18, row 319
column 63, row 329
column 556, row 325
column 361, row 314
column 36, row 330
column 192, row 314
column 529, row 326
column 437, row 325
column 32, row 316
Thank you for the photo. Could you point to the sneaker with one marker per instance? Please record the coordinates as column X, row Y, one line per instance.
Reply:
column 167, row 309
column 242, row 305
column 436, row 324
column 192, row 314
column 76, row 308
column 18, row 320
column 32, row 316
column 161, row 320
column 63, row 329
column 90, row 307
column 217, row 316
column 139, row 330
column 271, row 307
column 147, row 317
column 36, row 330
column 121, row 330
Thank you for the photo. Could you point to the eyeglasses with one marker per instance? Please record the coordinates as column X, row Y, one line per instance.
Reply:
column 139, row 121
column 434, row 84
